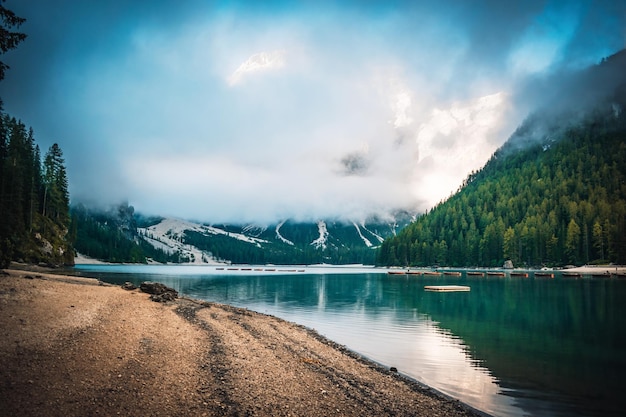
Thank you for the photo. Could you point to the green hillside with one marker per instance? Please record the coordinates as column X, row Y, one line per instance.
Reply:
column 554, row 194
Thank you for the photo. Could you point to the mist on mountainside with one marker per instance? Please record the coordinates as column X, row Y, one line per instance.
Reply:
column 553, row 194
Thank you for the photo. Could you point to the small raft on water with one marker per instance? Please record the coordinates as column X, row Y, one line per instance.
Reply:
column 446, row 288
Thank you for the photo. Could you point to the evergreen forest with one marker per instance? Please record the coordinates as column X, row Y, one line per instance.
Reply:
column 111, row 235
column 553, row 201
column 34, row 199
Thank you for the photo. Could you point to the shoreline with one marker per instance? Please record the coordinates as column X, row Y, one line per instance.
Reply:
column 188, row 357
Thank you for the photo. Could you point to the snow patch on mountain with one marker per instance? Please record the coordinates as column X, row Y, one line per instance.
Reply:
column 281, row 237
column 253, row 230
column 365, row 240
column 168, row 236
column 320, row 242
column 175, row 229
column 376, row 235
column 217, row 231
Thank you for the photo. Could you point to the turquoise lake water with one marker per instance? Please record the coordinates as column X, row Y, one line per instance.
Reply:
column 510, row 347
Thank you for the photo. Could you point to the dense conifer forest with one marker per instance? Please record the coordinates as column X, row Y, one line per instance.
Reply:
column 111, row 235
column 556, row 200
column 34, row 198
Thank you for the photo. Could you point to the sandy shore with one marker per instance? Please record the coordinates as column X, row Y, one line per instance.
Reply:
column 75, row 347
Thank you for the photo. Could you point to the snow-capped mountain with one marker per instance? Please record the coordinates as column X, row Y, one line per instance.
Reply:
column 286, row 242
column 118, row 234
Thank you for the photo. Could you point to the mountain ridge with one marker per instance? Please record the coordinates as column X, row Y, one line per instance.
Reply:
column 173, row 240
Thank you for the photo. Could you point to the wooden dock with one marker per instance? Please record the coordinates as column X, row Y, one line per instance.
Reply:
column 447, row 288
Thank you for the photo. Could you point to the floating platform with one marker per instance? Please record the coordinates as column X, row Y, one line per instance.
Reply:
column 432, row 273
column 544, row 274
column 496, row 273
column 396, row 272
column 519, row 274
column 452, row 273
column 446, row 288
column 476, row 273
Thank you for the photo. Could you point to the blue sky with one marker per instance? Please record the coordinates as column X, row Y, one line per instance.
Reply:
column 256, row 111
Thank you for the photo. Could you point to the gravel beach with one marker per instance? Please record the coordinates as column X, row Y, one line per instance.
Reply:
column 77, row 347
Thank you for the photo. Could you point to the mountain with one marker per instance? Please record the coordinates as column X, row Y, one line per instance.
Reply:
column 120, row 235
column 553, row 194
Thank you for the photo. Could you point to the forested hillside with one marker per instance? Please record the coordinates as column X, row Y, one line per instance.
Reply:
column 118, row 234
column 34, row 199
column 111, row 235
column 554, row 194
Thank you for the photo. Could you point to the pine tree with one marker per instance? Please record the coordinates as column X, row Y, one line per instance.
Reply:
column 8, row 39
column 55, row 203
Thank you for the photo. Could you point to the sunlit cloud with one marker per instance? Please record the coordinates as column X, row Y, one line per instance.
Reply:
column 262, row 61
column 243, row 111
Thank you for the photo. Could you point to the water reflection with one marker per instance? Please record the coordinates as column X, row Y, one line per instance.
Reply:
column 509, row 347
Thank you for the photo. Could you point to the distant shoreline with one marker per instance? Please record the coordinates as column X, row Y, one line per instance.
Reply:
column 81, row 259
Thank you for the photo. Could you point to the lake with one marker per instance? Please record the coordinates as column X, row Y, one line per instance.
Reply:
column 511, row 346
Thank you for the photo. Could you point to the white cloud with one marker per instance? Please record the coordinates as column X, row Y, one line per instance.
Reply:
column 454, row 141
column 401, row 107
column 237, row 112
column 262, row 61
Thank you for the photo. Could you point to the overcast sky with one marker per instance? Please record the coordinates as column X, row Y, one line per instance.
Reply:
column 238, row 111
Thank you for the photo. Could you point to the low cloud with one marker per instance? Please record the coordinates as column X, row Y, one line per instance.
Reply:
column 250, row 112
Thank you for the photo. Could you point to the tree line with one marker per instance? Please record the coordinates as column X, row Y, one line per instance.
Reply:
column 34, row 199
column 111, row 235
column 556, row 202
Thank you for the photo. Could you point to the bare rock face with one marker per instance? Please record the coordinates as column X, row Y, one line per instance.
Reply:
column 159, row 292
